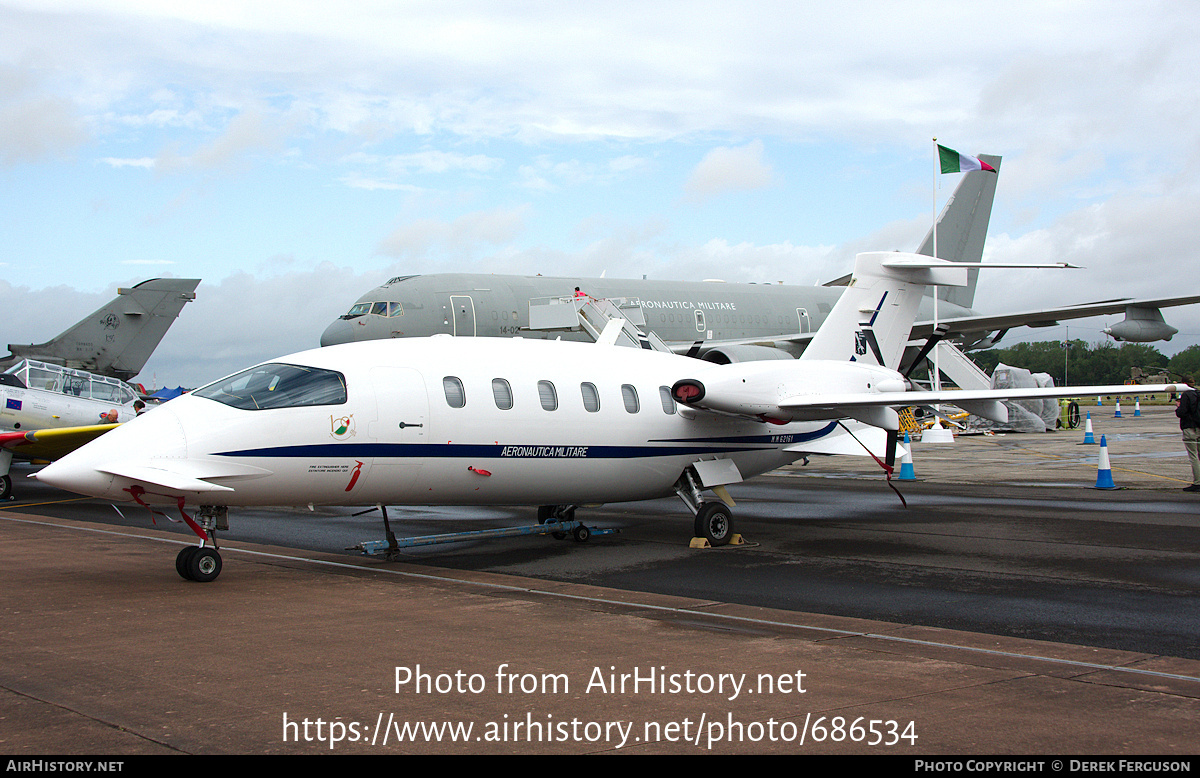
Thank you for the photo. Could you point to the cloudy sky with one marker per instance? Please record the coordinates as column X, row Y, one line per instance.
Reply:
column 294, row 156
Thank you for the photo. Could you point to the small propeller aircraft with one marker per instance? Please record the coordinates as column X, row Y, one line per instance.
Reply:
column 47, row 410
column 556, row 424
column 56, row 396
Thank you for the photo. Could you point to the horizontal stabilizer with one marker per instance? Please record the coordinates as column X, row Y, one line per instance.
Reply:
column 899, row 399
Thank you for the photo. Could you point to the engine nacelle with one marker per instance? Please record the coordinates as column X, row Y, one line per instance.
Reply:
column 1141, row 325
column 761, row 389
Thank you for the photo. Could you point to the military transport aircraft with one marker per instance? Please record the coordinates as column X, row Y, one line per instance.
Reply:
column 725, row 322
column 557, row 424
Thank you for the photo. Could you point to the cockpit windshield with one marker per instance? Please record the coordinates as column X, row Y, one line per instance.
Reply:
column 381, row 308
column 277, row 386
column 76, row 383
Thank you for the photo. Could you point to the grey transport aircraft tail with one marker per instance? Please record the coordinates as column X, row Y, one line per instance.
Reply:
column 118, row 338
column 962, row 228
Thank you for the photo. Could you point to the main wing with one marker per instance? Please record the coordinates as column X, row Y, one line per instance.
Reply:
column 51, row 443
column 1047, row 317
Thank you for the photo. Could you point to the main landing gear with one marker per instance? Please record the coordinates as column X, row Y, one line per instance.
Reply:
column 714, row 520
column 714, row 523
column 203, row 563
column 564, row 514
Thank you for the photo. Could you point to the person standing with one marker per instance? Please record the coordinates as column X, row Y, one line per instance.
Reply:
column 1187, row 408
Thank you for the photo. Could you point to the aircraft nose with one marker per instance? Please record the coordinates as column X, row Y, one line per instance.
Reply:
column 90, row 469
column 341, row 331
column 74, row 474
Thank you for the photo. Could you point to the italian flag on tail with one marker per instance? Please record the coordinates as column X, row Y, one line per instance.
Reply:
column 953, row 162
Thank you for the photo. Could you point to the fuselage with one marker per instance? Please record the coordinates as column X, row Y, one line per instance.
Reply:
column 40, row 396
column 430, row 421
column 679, row 312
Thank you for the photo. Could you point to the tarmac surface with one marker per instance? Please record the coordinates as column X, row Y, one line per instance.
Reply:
column 301, row 650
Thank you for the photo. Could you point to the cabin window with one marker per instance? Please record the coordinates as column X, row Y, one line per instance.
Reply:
column 277, row 386
column 668, row 402
column 591, row 398
column 456, row 395
column 547, row 395
column 630, row 398
column 503, row 394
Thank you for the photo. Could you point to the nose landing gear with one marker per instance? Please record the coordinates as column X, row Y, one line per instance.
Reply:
column 203, row 563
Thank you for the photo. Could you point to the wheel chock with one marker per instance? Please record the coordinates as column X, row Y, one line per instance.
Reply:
column 735, row 540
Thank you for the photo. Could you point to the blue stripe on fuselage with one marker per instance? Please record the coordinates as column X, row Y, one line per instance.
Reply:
column 726, row 445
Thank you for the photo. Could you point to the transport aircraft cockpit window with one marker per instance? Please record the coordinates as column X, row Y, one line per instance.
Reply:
column 277, row 386
column 380, row 308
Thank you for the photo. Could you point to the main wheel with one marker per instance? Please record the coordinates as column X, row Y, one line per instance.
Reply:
column 546, row 514
column 5, row 487
column 714, row 523
column 204, row 565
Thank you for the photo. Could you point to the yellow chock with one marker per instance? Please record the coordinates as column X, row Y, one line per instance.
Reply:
column 736, row 540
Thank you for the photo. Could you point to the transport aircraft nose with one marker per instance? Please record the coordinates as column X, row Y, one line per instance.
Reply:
column 341, row 331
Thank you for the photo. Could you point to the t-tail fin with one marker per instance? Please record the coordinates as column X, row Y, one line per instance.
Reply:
column 873, row 318
column 119, row 337
column 963, row 226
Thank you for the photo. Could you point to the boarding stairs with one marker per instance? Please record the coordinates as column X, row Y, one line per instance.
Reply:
column 614, row 321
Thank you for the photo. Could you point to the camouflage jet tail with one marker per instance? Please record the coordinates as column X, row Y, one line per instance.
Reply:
column 119, row 338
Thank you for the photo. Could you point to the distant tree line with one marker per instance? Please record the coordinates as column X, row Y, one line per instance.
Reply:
column 1098, row 364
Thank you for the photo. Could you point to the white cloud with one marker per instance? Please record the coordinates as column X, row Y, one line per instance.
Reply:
column 142, row 162
column 419, row 237
column 728, row 169
column 35, row 128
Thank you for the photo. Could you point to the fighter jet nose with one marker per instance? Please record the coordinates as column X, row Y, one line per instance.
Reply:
column 340, row 331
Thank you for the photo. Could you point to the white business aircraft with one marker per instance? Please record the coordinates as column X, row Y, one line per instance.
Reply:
column 47, row 410
column 452, row 421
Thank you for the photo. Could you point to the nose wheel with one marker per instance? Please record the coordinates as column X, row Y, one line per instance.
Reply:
column 203, row 563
